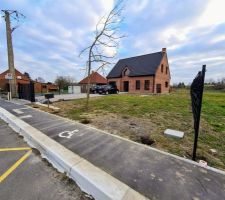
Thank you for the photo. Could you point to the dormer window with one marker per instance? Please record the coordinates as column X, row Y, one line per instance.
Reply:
column 126, row 72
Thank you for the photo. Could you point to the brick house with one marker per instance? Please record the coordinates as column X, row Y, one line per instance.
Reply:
column 23, row 79
column 148, row 73
column 45, row 87
column 95, row 79
column 20, row 78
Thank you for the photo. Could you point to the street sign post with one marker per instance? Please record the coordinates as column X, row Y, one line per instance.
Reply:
column 196, row 92
column 9, row 77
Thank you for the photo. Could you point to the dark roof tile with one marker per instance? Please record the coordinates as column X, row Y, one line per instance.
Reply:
column 143, row 65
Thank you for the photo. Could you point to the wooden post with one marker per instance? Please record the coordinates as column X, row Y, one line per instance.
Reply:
column 10, row 55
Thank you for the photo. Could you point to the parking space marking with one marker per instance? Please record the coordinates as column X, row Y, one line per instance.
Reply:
column 67, row 134
column 25, row 116
column 17, row 163
column 15, row 149
column 18, row 111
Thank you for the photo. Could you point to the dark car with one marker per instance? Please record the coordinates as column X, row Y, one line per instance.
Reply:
column 94, row 89
column 108, row 89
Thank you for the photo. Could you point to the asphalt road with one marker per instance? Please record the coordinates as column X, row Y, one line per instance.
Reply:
column 152, row 173
column 24, row 175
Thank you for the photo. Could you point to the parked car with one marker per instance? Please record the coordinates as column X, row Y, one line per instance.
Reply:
column 94, row 89
column 108, row 89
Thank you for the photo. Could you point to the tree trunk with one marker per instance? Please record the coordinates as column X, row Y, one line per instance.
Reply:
column 89, row 80
column 10, row 55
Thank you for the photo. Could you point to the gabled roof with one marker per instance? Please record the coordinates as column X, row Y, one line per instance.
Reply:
column 143, row 65
column 18, row 73
column 96, row 78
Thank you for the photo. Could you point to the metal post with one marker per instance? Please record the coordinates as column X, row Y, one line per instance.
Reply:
column 32, row 92
column 197, row 87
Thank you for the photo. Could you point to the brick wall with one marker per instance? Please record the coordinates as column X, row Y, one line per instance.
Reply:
column 20, row 78
column 132, row 83
column 163, row 77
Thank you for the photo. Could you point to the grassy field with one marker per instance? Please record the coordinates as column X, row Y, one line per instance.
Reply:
column 135, row 115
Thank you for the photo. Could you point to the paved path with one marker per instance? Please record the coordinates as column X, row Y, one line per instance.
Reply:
column 30, row 177
column 154, row 174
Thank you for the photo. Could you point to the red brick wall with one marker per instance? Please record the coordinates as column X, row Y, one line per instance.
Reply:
column 132, row 83
column 4, row 82
column 162, row 77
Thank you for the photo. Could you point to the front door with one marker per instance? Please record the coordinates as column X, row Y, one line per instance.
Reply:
column 158, row 88
column 126, row 86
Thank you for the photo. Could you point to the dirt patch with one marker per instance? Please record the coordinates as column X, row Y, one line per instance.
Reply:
column 136, row 129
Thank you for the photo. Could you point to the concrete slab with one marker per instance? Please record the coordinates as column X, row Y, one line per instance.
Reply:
column 174, row 133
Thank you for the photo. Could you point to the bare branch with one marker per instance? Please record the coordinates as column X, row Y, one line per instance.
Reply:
column 106, row 36
column 85, row 49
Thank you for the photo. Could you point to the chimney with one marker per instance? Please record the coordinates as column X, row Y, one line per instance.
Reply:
column 163, row 50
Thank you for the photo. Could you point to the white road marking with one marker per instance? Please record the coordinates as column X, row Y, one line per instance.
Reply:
column 68, row 134
column 25, row 116
column 18, row 111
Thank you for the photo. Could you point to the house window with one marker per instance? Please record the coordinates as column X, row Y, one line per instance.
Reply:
column 147, row 84
column 138, row 85
column 166, row 70
column 44, row 86
column 166, row 84
column 162, row 68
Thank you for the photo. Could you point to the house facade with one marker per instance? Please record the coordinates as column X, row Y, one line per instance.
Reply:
column 148, row 73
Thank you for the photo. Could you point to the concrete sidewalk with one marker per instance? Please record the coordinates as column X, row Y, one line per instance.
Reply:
column 154, row 174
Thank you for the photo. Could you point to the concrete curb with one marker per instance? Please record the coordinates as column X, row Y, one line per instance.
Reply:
column 91, row 179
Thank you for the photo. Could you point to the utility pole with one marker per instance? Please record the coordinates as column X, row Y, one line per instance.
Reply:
column 9, row 30
column 12, row 82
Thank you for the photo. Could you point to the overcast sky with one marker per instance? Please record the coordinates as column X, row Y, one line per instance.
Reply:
column 48, row 42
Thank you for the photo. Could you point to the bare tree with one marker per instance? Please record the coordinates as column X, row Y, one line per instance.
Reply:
column 64, row 81
column 106, row 37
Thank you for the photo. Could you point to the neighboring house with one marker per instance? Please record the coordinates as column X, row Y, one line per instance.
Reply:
column 20, row 78
column 45, row 87
column 95, row 79
column 23, row 79
column 148, row 73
